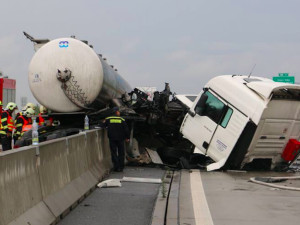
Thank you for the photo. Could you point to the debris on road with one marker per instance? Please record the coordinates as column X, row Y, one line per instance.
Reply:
column 268, row 181
column 110, row 183
column 142, row 180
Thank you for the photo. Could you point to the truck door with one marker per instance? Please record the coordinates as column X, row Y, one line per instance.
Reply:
column 226, row 136
column 202, row 120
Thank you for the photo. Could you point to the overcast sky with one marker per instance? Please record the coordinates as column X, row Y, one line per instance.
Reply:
column 185, row 43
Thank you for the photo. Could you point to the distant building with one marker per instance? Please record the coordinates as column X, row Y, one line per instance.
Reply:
column 7, row 90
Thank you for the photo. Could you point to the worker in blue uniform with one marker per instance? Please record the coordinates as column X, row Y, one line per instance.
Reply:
column 118, row 132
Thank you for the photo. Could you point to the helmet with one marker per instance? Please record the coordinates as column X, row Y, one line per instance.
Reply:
column 29, row 112
column 29, row 105
column 11, row 106
column 43, row 109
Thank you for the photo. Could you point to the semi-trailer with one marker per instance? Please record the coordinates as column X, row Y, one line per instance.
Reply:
column 234, row 122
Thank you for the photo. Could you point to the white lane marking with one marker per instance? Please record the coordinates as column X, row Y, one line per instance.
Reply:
column 201, row 210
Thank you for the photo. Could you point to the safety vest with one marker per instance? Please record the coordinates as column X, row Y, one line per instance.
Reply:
column 10, row 124
column 26, row 125
column 27, row 128
column 41, row 120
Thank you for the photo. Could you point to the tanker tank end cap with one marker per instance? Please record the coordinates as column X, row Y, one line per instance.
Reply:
column 63, row 76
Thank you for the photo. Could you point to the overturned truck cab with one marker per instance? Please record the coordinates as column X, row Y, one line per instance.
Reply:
column 241, row 121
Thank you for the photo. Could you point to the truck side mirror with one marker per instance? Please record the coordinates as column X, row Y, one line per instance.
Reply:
column 202, row 100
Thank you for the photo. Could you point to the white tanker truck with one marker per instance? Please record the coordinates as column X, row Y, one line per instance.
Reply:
column 69, row 78
column 66, row 75
column 234, row 121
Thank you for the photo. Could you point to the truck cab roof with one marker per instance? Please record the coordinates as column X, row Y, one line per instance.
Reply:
column 251, row 95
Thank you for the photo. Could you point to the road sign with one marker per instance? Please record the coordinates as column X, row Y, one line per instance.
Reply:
column 283, row 74
column 285, row 79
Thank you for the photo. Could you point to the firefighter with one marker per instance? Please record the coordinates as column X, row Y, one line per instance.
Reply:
column 24, row 123
column 43, row 119
column 7, row 125
column 117, row 132
column 28, row 105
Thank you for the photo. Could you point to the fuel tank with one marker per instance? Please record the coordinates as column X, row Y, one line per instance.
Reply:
column 66, row 75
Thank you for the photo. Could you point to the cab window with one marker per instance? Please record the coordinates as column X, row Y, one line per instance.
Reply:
column 212, row 108
column 226, row 118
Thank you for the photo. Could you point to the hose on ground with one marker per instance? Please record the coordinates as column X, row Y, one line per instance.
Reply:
column 275, row 179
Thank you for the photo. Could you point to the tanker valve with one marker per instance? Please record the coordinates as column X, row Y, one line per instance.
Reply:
column 63, row 76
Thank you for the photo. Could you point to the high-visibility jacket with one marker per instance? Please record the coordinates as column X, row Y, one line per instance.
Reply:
column 17, row 115
column 7, row 123
column 27, row 127
column 23, row 124
column 41, row 120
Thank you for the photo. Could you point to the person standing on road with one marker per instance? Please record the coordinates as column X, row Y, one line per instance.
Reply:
column 23, row 123
column 117, row 131
column 7, row 125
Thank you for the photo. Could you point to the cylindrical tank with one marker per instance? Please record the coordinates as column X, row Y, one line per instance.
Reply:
column 66, row 75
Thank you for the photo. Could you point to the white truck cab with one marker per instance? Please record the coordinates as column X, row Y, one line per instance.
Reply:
column 238, row 119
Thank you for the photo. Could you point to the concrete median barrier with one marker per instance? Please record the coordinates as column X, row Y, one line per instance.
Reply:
column 55, row 176
column 106, row 150
column 99, row 157
column 39, row 184
column 20, row 189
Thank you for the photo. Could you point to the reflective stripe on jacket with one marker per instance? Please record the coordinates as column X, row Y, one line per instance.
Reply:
column 116, row 128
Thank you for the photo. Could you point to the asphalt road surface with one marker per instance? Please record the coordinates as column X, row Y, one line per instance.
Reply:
column 130, row 204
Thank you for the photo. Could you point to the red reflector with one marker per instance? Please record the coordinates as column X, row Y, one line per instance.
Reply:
column 291, row 150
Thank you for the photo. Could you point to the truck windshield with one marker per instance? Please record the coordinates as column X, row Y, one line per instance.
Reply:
column 213, row 107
